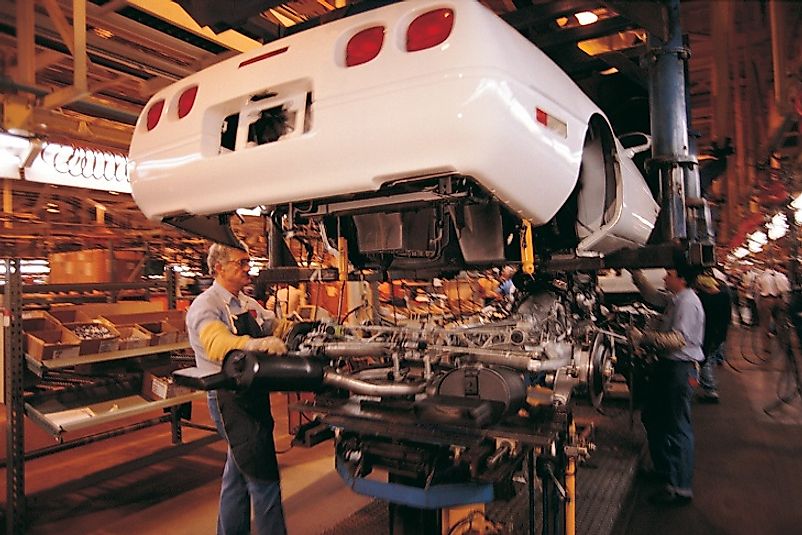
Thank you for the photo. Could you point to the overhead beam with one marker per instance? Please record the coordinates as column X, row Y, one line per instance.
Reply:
column 119, row 54
column 44, row 59
column 61, row 23
column 626, row 67
column 112, row 6
column 76, row 45
column 583, row 33
column 26, row 48
column 544, row 11
column 179, row 16
column 652, row 16
column 46, row 122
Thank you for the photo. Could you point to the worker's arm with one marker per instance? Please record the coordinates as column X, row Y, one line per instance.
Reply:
column 650, row 293
column 664, row 343
column 661, row 343
column 218, row 340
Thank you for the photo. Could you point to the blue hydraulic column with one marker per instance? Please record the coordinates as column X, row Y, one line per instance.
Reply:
column 671, row 154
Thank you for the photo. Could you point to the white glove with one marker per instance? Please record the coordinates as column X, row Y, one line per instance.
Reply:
column 269, row 344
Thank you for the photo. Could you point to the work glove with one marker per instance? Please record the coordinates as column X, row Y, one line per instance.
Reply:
column 269, row 344
column 283, row 328
column 635, row 337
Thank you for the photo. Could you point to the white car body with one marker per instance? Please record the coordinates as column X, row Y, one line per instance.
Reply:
column 468, row 106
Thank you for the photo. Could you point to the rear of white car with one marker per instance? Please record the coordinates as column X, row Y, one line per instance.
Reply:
column 416, row 89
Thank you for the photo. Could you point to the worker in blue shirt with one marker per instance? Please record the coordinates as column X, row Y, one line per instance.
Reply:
column 506, row 287
column 676, row 343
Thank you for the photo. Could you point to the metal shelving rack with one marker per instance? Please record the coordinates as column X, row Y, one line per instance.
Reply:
column 16, row 361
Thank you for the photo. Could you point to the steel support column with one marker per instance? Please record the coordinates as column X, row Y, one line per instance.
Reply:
column 8, row 202
column 670, row 150
column 722, row 27
column 15, row 408
column 172, row 287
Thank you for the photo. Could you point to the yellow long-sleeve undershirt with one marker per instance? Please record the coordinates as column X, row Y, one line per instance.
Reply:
column 217, row 340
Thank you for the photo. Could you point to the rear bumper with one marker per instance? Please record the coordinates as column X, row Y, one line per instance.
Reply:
column 480, row 124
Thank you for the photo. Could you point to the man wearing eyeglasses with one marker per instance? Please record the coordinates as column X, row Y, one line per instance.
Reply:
column 220, row 320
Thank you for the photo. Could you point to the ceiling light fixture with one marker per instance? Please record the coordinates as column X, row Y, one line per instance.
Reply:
column 586, row 17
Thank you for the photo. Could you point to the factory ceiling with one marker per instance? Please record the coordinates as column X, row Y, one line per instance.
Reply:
column 135, row 47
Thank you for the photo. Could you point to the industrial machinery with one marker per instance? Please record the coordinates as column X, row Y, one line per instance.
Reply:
column 409, row 146
column 451, row 413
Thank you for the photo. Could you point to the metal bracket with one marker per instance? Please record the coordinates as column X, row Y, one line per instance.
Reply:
column 682, row 52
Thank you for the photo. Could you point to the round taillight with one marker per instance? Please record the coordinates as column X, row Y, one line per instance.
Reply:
column 154, row 114
column 186, row 101
column 364, row 46
column 430, row 29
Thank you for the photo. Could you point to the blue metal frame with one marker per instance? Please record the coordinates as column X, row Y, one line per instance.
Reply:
column 433, row 497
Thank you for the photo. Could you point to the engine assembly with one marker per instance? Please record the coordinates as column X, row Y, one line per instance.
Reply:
column 449, row 411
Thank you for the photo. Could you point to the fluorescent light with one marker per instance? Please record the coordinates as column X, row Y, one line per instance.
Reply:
column 779, row 219
column 759, row 237
column 775, row 233
column 740, row 252
column 586, row 17
column 755, row 247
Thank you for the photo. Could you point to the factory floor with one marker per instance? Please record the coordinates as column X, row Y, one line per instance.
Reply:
column 748, row 473
column 139, row 484
column 748, row 477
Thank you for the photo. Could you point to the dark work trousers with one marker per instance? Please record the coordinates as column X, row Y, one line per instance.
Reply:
column 666, row 415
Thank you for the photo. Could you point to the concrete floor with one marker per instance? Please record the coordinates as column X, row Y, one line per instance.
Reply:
column 748, row 477
column 748, row 474
column 139, row 483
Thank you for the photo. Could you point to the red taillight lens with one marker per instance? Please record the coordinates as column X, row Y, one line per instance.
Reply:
column 364, row 46
column 430, row 29
column 154, row 114
column 186, row 101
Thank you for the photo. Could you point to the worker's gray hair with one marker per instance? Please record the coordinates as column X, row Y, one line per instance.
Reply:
column 220, row 254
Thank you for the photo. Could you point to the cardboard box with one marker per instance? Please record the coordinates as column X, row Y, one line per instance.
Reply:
column 96, row 345
column 135, row 318
column 96, row 310
column 52, row 344
column 39, row 320
column 178, row 319
column 69, row 315
column 165, row 326
column 95, row 265
column 157, row 383
column 133, row 337
column 161, row 332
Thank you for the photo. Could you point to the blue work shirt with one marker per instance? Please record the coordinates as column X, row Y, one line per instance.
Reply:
column 685, row 315
column 506, row 287
column 682, row 312
column 218, row 304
